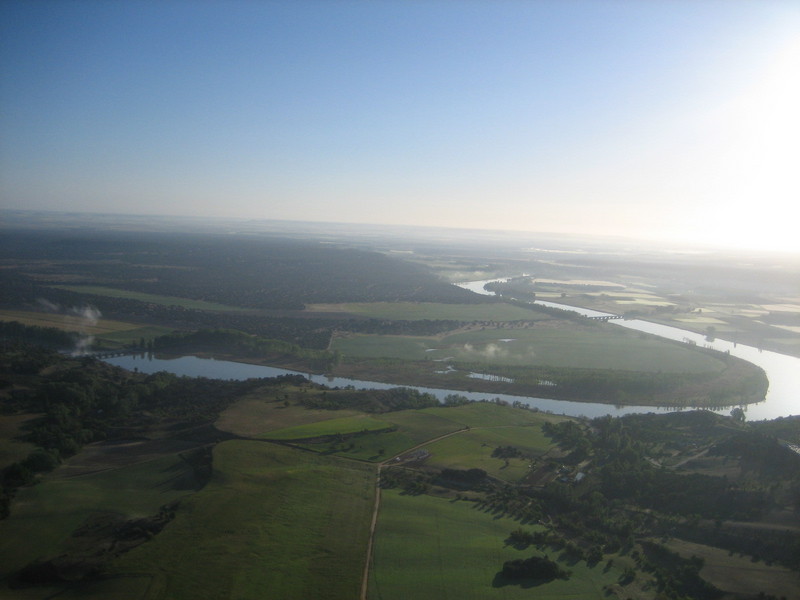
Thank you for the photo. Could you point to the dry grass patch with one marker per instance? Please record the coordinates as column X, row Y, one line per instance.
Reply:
column 65, row 322
column 733, row 573
column 265, row 410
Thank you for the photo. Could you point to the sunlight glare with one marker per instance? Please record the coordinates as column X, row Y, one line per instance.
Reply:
column 757, row 179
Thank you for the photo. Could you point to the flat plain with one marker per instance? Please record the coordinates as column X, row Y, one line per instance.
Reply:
column 602, row 346
column 271, row 518
column 438, row 548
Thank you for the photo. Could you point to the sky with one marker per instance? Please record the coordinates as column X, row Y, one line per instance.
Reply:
column 664, row 120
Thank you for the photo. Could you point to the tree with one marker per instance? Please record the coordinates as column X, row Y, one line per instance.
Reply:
column 738, row 414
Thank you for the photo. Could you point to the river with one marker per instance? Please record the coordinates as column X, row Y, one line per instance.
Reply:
column 783, row 372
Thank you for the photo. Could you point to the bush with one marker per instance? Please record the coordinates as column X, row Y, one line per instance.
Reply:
column 535, row 567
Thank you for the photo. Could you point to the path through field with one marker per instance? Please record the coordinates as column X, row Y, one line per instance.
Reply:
column 377, row 505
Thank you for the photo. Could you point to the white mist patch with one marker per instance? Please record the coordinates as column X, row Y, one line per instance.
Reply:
column 87, row 316
column 48, row 306
column 491, row 351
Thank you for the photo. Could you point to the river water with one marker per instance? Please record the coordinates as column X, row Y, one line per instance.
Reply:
column 783, row 371
column 783, row 397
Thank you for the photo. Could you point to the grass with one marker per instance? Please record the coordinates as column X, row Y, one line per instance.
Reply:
column 433, row 548
column 128, row 336
column 43, row 516
column 488, row 414
column 273, row 523
column 600, row 347
column 342, row 425
column 510, row 426
column 739, row 574
column 413, row 428
column 114, row 333
column 66, row 322
column 263, row 411
column 373, row 447
column 11, row 449
column 263, row 414
column 473, row 449
column 423, row 425
column 413, row 311
column 98, row 290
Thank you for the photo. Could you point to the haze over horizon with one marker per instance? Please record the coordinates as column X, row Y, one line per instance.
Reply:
column 658, row 120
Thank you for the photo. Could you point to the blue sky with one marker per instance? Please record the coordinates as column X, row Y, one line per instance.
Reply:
column 657, row 119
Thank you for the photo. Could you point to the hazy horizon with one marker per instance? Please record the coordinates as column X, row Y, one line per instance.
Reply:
column 663, row 121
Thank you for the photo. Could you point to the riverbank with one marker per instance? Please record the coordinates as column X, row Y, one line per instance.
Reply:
column 739, row 383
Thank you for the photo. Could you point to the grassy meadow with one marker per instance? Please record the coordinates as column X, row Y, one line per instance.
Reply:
column 342, row 426
column 473, row 449
column 488, row 414
column 116, row 333
column 65, row 322
column 272, row 523
column 271, row 409
column 492, row 426
column 414, row 427
column 439, row 549
column 44, row 516
column 599, row 347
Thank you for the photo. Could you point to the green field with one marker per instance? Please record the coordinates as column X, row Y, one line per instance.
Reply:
column 272, row 523
column 98, row 290
column 438, row 549
column 43, row 516
column 66, row 322
column 413, row 428
column 488, row 414
column 492, row 425
column 473, row 449
column 415, row 311
column 264, row 411
column 342, row 425
column 600, row 347
column 116, row 333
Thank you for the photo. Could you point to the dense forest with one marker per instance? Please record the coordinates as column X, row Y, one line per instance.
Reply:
column 248, row 272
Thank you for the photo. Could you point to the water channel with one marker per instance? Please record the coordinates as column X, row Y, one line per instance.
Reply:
column 783, row 397
column 783, row 371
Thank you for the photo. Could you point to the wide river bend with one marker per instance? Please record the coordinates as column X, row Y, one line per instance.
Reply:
column 783, row 372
